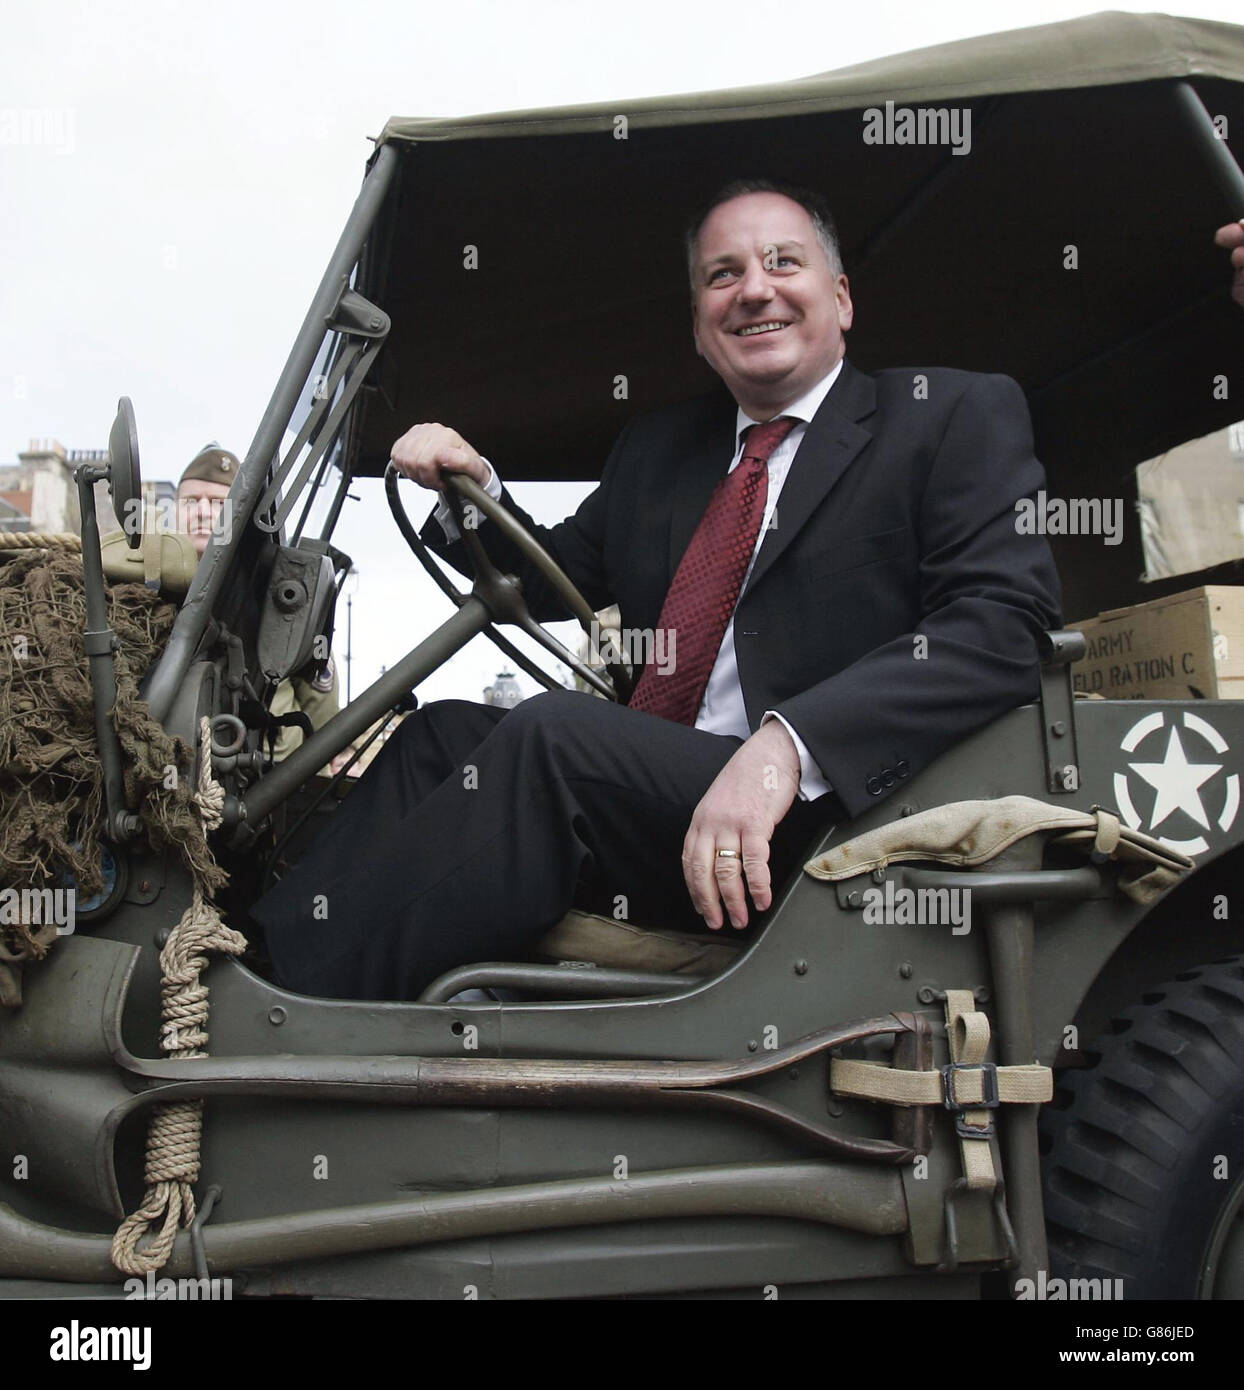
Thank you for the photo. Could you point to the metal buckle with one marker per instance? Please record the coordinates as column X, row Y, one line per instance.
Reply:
column 958, row 1188
column 988, row 1101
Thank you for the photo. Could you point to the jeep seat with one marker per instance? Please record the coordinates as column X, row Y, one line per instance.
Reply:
column 587, row 956
column 587, row 936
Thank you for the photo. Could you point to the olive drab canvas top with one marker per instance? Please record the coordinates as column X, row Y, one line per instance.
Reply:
column 1094, row 51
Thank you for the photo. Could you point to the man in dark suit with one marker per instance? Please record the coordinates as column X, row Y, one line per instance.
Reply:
column 886, row 606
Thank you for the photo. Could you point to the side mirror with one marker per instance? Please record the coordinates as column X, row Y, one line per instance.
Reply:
column 124, row 484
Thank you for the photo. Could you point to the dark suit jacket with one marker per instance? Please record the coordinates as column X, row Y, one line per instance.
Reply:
column 896, row 522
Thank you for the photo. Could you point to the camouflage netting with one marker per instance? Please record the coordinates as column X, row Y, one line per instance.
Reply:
column 52, row 808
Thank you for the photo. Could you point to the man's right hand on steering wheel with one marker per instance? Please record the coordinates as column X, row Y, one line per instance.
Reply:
column 426, row 452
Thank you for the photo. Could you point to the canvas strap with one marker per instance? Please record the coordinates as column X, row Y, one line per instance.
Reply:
column 968, row 1080
column 151, row 545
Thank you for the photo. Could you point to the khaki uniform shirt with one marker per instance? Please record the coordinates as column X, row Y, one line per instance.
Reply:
column 315, row 698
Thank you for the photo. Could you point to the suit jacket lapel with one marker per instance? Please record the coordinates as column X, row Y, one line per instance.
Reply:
column 833, row 439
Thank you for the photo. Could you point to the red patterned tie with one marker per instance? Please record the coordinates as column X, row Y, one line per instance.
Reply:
column 706, row 586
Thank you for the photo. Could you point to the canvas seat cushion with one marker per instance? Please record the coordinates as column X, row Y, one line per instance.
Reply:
column 615, row 945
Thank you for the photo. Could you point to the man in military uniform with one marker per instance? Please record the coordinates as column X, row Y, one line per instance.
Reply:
column 203, row 494
column 203, row 507
column 315, row 696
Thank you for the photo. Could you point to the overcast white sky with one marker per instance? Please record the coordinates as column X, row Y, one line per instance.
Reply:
column 166, row 242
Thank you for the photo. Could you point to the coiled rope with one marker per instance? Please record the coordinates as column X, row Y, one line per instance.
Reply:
column 38, row 540
column 175, row 1134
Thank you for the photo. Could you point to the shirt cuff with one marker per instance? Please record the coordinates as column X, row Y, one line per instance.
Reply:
column 811, row 781
column 444, row 514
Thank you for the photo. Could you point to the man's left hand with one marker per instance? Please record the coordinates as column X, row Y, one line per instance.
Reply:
column 1232, row 236
column 739, row 812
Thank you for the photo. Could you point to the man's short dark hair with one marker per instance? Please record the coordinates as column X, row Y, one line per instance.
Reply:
column 812, row 203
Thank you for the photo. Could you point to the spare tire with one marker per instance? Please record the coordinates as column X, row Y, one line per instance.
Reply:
column 1144, row 1149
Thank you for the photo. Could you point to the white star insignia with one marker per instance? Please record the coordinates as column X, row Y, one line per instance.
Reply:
column 1177, row 782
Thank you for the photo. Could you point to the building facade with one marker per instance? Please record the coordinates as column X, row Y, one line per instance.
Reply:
column 38, row 493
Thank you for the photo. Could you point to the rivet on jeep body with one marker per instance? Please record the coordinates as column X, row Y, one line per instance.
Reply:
column 277, row 1015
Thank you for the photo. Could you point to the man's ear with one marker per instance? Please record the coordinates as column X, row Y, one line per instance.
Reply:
column 695, row 327
column 846, row 310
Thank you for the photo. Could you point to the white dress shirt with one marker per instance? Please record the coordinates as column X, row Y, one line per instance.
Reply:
column 722, row 710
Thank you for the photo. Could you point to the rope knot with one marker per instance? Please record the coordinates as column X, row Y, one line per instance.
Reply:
column 173, row 1140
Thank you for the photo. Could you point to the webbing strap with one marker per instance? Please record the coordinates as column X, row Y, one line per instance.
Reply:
column 1026, row 1085
column 152, row 544
column 1109, row 832
column 967, row 1034
column 968, row 1080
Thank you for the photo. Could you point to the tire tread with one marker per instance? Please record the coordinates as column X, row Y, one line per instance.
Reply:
column 1120, row 1132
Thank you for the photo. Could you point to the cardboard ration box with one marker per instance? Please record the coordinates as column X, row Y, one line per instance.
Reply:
column 1184, row 646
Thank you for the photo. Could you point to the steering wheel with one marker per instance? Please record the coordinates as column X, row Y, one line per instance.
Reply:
column 501, row 593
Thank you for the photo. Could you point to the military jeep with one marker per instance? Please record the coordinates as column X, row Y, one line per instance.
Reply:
column 851, row 1105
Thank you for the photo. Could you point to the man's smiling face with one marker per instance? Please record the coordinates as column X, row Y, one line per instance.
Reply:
column 768, row 310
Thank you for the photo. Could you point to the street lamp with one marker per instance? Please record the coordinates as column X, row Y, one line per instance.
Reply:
column 350, row 587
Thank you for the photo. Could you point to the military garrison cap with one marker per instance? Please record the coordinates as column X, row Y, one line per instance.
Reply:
column 211, row 464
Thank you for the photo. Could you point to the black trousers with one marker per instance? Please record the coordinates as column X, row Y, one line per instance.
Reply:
column 476, row 829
